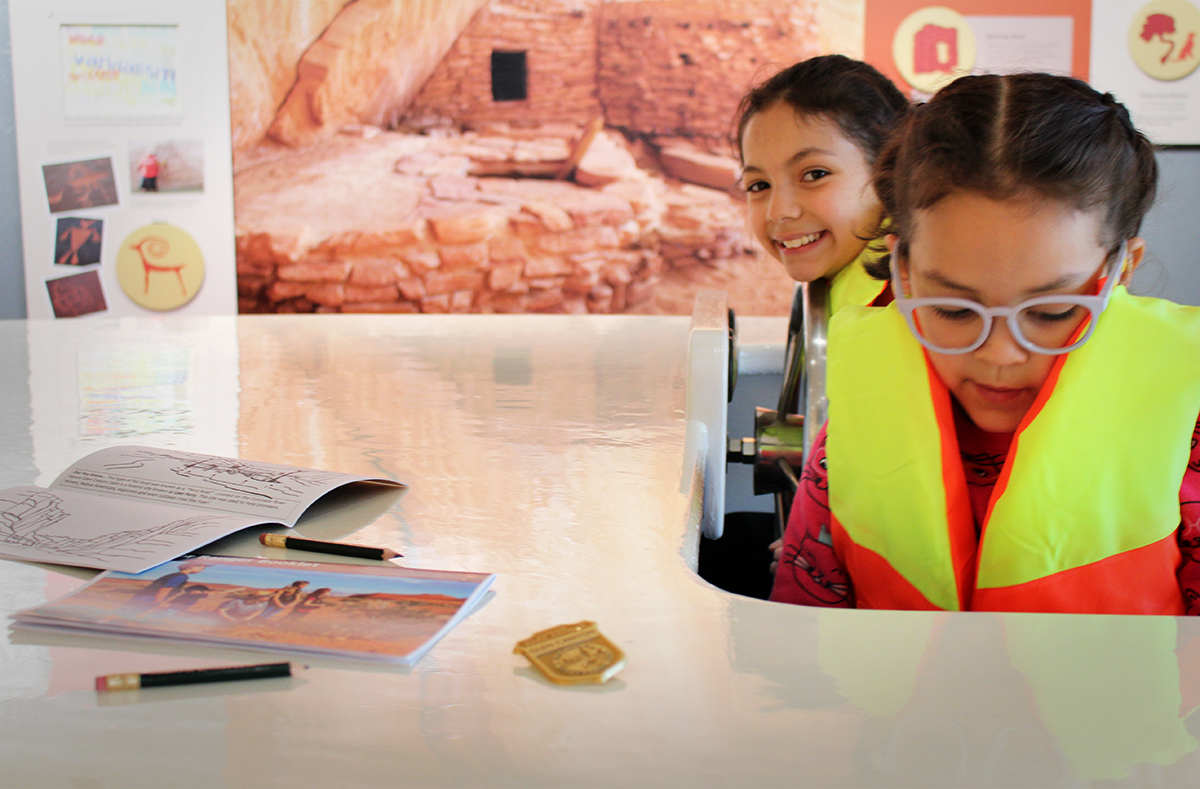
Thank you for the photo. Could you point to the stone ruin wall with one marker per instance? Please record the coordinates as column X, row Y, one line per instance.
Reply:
column 497, row 245
column 650, row 67
column 559, row 39
column 673, row 69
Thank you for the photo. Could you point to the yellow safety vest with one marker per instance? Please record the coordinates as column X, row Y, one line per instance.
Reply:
column 853, row 286
column 1084, row 515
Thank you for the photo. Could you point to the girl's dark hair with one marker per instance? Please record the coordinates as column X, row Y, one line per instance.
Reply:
column 861, row 101
column 1007, row 135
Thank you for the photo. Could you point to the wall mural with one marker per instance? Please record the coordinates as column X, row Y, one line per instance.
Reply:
column 502, row 156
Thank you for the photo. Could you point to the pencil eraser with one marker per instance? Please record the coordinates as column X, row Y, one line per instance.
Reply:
column 273, row 540
column 119, row 682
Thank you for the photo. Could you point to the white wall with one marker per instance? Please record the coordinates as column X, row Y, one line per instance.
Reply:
column 1172, row 230
column 12, row 268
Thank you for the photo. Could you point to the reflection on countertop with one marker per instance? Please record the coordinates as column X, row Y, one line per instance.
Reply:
column 546, row 449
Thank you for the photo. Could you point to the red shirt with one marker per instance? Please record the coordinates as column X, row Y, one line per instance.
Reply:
column 149, row 167
column 809, row 572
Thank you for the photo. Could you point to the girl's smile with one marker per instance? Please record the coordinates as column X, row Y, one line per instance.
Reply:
column 807, row 240
column 999, row 253
column 808, row 191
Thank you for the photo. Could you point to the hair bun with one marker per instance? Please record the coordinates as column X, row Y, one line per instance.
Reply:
column 1122, row 112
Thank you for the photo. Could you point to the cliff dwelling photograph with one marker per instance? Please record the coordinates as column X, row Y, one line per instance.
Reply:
column 504, row 156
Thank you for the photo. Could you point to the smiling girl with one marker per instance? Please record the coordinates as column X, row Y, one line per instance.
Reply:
column 1015, row 432
column 808, row 138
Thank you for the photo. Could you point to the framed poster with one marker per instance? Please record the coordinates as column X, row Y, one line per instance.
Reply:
column 922, row 46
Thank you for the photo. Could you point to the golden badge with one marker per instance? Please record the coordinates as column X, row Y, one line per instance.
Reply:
column 1162, row 39
column 573, row 654
column 933, row 47
column 160, row 267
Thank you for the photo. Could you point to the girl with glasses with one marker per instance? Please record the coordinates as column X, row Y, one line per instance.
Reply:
column 1016, row 432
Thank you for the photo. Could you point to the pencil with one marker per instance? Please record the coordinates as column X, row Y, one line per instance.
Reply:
column 162, row 678
column 319, row 546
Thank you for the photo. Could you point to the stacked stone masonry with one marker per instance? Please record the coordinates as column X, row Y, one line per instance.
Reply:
column 669, row 68
column 492, row 244
column 559, row 39
column 651, row 67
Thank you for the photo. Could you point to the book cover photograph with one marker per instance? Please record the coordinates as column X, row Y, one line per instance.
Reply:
column 376, row 613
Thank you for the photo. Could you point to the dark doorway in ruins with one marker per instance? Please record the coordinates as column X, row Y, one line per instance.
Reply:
column 509, row 76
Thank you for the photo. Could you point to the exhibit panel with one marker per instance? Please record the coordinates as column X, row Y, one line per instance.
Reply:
column 122, row 129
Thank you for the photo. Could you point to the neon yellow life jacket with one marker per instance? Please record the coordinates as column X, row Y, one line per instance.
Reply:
column 1084, row 515
column 853, row 286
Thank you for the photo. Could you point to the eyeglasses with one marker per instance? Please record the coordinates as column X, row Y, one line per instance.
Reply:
column 1045, row 324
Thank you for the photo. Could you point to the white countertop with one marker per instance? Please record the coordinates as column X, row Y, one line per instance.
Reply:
column 549, row 450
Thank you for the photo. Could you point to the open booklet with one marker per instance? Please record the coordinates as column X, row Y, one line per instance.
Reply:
column 378, row 613
column 131, row 508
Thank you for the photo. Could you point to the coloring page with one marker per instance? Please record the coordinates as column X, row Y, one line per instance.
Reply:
column 65, row 527
column 212, row 483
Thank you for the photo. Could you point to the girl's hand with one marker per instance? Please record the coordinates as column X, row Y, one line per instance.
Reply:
column 776, row 549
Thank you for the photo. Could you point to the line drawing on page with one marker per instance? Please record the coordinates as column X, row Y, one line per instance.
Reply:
column 27, row 520
column 246, row 477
